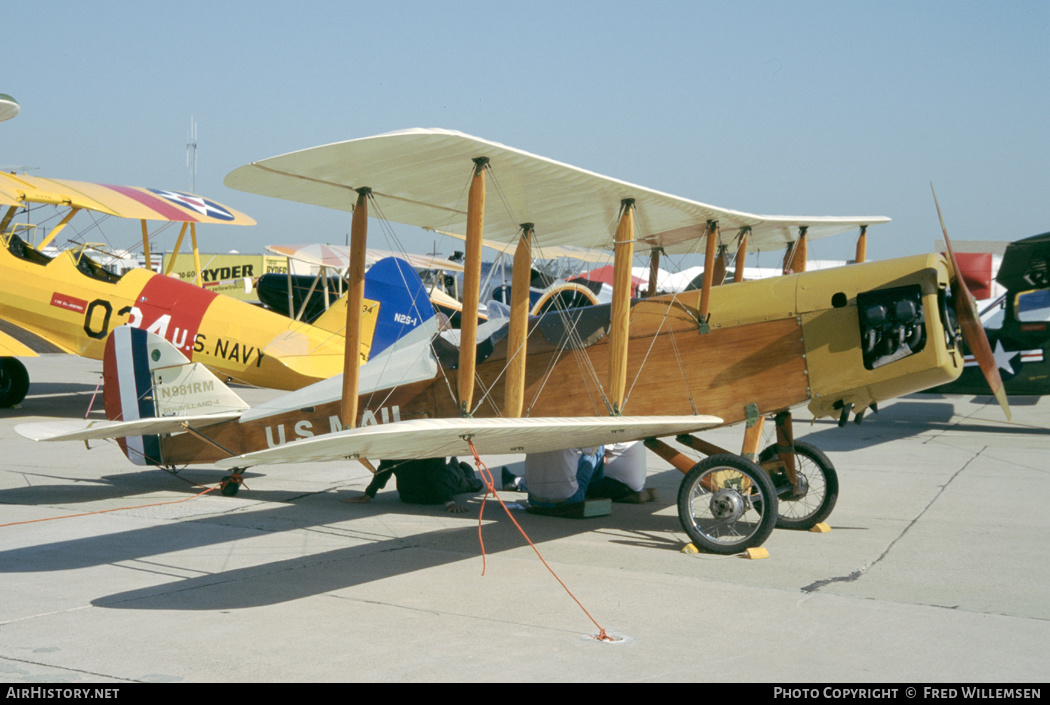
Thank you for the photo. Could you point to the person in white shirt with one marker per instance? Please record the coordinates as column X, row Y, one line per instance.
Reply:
column 624, row 474
column 560, row 477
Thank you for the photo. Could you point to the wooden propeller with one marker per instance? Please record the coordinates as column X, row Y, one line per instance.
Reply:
column 972, row 330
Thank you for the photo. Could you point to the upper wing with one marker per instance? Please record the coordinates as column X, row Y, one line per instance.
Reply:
column 122, row 201
column 419, row 176
column 584, row 254
column 431, row 438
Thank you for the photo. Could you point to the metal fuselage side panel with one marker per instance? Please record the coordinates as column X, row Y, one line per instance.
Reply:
column 833, row 340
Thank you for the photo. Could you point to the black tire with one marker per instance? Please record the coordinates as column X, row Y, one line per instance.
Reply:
column 727, row 504
column 229, row 486
column 14, row 382
column 820, row 492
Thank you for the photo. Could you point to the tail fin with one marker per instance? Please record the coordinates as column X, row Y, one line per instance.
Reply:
column 403, row 301
column 394, row 286
column 146, row 377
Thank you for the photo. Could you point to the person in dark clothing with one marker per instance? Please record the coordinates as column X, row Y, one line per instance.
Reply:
column 425, row 481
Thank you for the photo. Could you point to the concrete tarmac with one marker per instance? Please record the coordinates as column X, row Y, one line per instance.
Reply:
column 935, row 569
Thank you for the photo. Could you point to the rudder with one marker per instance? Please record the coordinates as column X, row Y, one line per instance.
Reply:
column 145, row 376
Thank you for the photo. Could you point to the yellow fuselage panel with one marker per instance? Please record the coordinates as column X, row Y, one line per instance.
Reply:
column 831, row 323
column 76, row 312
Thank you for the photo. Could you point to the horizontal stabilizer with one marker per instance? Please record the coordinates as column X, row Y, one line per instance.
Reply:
column 431, row 438
column 82, row 430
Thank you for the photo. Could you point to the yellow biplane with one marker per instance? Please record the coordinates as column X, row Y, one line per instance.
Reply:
column 665, row 367
column 73, row 303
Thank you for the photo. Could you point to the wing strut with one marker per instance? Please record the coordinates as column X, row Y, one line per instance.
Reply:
column 7, row 218
column 354, row 307
column 623, row 254
column 514, row 395
column 175, row 250
column 720, row 266
column 654, row 270
column 862, row 245
column 145, row 245
column 468, row 325
column 196, row 253
column 58, row 228
column 741, row 256
column 709, row 269
column 795, row 256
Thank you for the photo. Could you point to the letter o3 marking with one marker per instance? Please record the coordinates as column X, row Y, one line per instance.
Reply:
column 100, row 334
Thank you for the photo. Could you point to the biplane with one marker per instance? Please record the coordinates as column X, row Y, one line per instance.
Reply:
column 1017, row 324
column 73, row 303
column 660, row 369
column 308, row 296
column 554, row 284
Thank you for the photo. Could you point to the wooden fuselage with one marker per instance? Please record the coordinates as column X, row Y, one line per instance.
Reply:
column 770, row 345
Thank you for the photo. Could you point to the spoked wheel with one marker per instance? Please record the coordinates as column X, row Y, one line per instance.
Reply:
column 727, row 504
column 818, row 490
column 14, row 382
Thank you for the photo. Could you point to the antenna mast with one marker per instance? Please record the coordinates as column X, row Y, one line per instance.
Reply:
column 191, row 155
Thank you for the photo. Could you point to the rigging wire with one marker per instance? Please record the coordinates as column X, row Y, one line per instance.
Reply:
column 490, row 485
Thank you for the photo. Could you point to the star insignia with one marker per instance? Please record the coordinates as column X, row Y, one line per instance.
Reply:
column 1003, row 357
column 208, row 209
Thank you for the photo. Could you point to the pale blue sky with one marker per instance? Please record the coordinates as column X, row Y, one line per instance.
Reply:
column 785, row 108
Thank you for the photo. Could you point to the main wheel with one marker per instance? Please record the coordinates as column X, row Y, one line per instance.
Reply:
column 727, row 504
column 818, row 489
column 14, row 382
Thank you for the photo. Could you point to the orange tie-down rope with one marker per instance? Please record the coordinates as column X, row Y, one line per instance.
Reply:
column 490, row 483
column 117, row 509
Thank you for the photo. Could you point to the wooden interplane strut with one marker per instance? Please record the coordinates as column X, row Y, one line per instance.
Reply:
column 354, row 307
column 468, row 335
column 862, row 244
column 517, row 334
column 796, row 254
column 623, row 254
column 741, row 256
column 709, row 269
